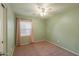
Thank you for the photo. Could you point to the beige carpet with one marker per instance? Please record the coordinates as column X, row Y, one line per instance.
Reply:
column 43, row 48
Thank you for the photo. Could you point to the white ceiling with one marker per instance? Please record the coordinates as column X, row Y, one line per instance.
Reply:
column 30, row 8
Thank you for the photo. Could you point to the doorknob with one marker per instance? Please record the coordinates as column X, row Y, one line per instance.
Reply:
column 2, row 42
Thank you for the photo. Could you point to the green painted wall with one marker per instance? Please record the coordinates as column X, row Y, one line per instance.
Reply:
column 63, row 29
column 38, row 29
column 10, row 30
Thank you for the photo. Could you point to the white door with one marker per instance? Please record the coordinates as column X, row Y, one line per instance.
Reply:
column 1, row 29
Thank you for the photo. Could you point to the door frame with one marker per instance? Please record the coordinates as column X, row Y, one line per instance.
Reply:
column 4, row 29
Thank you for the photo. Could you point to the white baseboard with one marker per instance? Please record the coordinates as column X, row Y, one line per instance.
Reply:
column 64, row 48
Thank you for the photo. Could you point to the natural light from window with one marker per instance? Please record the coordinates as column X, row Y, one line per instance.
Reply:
column 25, row 28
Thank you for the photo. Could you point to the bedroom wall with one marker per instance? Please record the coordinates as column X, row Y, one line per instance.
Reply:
column 63, row 29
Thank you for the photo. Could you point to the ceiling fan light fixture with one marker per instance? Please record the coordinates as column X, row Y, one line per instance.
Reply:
column 43, row 13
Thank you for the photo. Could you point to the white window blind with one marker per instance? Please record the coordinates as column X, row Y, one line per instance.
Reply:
column 25, row 28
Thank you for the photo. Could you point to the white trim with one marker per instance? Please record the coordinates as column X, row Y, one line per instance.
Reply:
column 12, row 51
column 64, row 48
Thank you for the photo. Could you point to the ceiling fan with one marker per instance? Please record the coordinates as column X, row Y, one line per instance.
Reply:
column 43, row 10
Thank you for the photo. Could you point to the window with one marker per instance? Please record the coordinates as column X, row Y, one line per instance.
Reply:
column 25, row 28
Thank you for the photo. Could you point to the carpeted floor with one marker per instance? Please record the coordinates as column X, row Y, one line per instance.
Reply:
column 43, row 48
